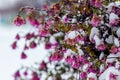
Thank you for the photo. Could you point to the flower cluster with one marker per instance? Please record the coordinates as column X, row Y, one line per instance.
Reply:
column 83, row 37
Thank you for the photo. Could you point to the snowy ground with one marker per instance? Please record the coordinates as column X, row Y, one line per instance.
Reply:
column 9, row 59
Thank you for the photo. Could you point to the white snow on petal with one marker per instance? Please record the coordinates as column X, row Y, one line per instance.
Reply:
column 101, row 56
column 102, row 67
column 118, row 32
column 64, row 19
column 82, row 32
column 105, row 75
column 110, row 5
column 73, row 34
column 117, row 3
column 80, row 51
column 81, row 42
column 97, row 40
column 66, row 75
column 110, row 58
column 94, row 31
column 116, row 42
column 74, row 20
column 58, row 34
column 65, row 16
column 113, row 16
column 114, row 55
column 69, row 52
column 53, row 40
column 109, row 40
column 91, row 75
column 85, row 67
column 117, row 65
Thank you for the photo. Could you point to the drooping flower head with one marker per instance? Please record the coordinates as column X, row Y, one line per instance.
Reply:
column 18, row 21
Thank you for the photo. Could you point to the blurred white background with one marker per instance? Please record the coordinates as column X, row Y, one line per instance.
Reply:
column 10, row 59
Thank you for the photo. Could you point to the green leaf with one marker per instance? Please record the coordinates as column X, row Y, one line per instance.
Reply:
column 106, row 2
